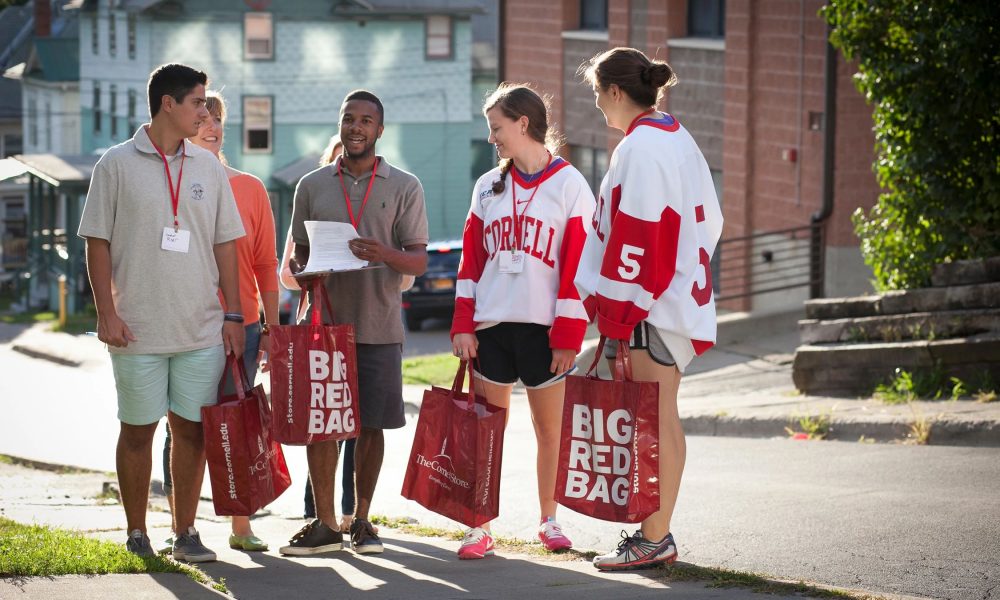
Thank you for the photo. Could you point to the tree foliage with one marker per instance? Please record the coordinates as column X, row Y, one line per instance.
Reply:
column 931, row 70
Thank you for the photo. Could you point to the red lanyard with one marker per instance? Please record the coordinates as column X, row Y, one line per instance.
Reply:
column 347, row 199
column 513, row 203
column 175, row 194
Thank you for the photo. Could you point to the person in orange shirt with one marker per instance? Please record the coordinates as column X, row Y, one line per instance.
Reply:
column 258, row 275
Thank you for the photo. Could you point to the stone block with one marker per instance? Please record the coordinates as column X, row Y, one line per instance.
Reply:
column 893, row 328
column 851, row 369
column 963, row 272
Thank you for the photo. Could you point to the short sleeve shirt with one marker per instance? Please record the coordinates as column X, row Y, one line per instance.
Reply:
column 394, row 215
column 169, row 300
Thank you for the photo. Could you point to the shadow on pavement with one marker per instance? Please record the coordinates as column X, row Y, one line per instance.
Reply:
column 410, row 569
column 10, row 331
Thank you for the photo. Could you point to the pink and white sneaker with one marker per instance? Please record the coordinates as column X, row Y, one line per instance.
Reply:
column 477, row 543
column 553, row 539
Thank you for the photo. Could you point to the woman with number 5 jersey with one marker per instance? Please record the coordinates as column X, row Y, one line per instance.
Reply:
column 645, row 272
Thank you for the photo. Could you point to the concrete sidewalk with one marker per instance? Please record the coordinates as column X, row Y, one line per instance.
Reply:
column 411, row 567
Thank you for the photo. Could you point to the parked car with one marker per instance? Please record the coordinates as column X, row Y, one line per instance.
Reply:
column 433, row 293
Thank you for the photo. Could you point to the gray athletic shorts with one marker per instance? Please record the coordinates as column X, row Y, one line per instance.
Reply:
column 644, row 337
column 380, row 385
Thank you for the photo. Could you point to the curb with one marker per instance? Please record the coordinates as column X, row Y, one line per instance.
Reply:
column 943, row 432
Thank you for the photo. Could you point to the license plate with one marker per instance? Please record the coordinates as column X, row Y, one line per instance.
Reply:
column 442, row 284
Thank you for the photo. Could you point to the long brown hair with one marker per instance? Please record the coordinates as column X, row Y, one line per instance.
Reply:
column 516, row 100
column 216, row 106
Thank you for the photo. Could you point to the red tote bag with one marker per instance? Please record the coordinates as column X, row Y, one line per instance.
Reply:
column 609, row 452
column 314, row 378
column 246, row 467
column 454, row 466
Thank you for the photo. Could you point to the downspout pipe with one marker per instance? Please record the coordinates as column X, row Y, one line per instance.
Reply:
column 829, row 131
column 818, row 247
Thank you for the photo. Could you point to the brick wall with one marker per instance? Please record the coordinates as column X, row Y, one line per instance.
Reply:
column 533, row 46
column 698, row 100
column 583, row 123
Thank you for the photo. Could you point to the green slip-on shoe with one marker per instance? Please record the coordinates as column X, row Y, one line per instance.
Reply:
column 250, row 543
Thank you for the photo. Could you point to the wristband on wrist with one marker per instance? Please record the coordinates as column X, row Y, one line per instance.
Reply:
column 265, row 329
column 234, row 317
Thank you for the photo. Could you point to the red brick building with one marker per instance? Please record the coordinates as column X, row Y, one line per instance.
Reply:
column 752, row 92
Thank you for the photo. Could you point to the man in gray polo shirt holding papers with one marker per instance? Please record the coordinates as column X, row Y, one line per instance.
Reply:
column 386, row 207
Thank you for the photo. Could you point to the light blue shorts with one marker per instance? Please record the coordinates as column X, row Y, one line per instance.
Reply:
column 150, row 384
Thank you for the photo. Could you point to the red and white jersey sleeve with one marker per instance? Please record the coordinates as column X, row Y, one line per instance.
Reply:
column 653, row 234
column 552, row 229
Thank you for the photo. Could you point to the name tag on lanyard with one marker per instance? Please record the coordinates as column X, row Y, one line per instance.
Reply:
column 175, row 241
column 511, row 261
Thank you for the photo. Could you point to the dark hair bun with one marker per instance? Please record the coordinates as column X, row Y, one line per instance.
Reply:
column 658, row 74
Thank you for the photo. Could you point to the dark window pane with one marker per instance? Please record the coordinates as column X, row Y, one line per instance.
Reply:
column 594, row 14
column 707, row 18
column 258, row 139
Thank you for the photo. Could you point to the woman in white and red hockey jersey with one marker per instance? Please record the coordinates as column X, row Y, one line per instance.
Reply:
column 516, row 308
column 645, row 267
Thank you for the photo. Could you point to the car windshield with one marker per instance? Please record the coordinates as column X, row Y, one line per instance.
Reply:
column 443, row 261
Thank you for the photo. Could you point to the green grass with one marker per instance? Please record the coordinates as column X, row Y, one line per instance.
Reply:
column 38, row 550
column 27, row 318
column 75, row 324
column 433, row 369
column 33, row 550
column 815, row 427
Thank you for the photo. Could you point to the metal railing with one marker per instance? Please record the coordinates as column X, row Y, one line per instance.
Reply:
column 769, row 261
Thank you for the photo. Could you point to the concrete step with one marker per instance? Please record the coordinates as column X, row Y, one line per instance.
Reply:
column 960, row 297
column 855, row 369
column 964, row 272
column 895, row 328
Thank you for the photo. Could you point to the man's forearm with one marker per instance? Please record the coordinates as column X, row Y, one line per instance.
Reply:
column 229, row 282
column 409, row 261
column 99, row 271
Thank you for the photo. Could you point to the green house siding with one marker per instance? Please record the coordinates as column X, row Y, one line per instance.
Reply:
column 437, row 153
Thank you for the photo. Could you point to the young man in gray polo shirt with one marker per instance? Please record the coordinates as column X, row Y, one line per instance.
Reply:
column 386, row 206
column 160, row 223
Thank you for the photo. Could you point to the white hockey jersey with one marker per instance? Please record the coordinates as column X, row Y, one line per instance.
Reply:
column 552, row 217
column 653, row 234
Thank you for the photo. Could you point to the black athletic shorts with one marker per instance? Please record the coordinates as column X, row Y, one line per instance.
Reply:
column 644, row 337
column 511, row 351
column 380, row 385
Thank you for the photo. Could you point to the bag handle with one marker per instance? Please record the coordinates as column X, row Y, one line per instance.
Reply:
column 623, row 361
column 459, row 383
column 241, row 381
column 318, row 290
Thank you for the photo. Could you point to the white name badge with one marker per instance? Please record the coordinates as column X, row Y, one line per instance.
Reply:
column 511, row 261
column 175, row 241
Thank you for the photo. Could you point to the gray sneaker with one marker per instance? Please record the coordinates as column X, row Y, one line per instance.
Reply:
column 188, row 547
column 138, row 544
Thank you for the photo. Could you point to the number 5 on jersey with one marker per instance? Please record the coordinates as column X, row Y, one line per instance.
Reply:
column 630, row 267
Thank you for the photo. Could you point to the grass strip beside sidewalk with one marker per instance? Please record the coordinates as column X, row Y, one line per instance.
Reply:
column 38, row 550
column 433, row 369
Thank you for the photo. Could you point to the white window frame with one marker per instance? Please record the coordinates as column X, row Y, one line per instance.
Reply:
column 434, row 37
column 132, row 25
column 112, row 34
column 259, row 118
column 258, row 27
